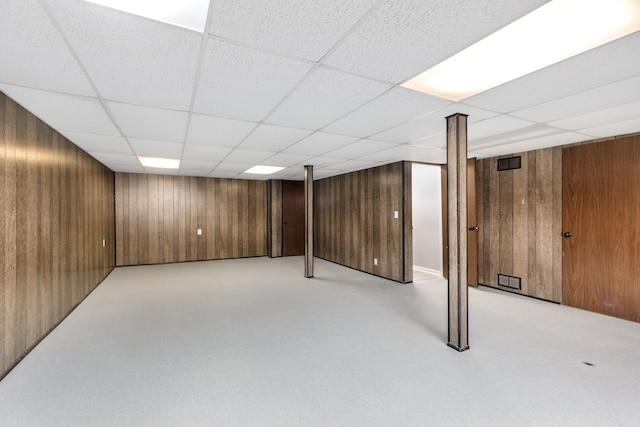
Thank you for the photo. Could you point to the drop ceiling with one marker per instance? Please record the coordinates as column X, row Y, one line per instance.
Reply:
column 294, row 82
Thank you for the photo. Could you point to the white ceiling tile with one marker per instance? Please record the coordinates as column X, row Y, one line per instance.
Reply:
column 438, row 140
column 325, row 173
column 242, row 83
column 116, row 159
column 323, row 97
column 161, row 171
column 130, row 58
column 405, row 37
column 600, row 118
column 205, row 152
column 399, row 152
column 319, row 143
column 273, row 138
column 416, row 129
column 301, row 28
column 285, row 159
column 609, row 63
column 533, row 144
column 248, row 156
column 101, row 143
column 126, row 168
column 150, row 148
column 352, row 165
column 438, row 156
column 233, row 167
column 222, row 174
column 194, row 172
column 495, row 126
column 198, row 165
column 396, row 106
column 360, row 149
column 475, row 114
column 209, row 130
column 137, row 121
column 63, row 112
column 29, row 40
column 532, row 132
column 610, row 95
column 322, row 162
column 611, row 129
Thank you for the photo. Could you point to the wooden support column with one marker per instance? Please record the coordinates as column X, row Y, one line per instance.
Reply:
column 308, row 221
column 457, row 230
column 274, row 218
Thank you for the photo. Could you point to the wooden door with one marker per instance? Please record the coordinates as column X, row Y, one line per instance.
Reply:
column 292, row 218
column 472, row 221
column 601, row 225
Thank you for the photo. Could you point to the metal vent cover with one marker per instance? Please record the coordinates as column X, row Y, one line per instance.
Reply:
column 510, row 163
column 512, row 282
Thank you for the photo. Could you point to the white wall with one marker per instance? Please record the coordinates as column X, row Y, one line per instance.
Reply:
column 427, row 217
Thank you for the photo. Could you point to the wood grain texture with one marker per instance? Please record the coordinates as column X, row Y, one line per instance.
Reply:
column 57, row 206
column 457, row 215
column 293, row 218
column 158, row 217
column 274, row 218
column 601, row 183
column 519, row 223
column 308, row 220
column 354, row 220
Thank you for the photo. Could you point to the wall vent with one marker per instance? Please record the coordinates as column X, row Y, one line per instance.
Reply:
column 509, row 163
column 509, row 281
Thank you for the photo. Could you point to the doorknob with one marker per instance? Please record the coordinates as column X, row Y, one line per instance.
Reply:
column 473, row 228
column 568, row 234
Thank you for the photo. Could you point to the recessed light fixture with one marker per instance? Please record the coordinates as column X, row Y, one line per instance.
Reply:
column 159, row 162
column 190, row 14
column 263, row 170
column 556, row 31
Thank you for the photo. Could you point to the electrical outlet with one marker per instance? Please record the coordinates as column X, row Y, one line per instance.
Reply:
column 199, row 232
column 375, row 261
column 104, row 243
column 395, row 214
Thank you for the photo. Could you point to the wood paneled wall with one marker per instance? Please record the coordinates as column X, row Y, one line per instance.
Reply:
column 274, row 218
column 157, row 217
column 56, row 207
column 354, row 220
column 520, row 220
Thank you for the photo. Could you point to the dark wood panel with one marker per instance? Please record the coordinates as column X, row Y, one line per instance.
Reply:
column 158, row 217
column 292, row 218
column 601, row 182
column 355, row 222
column 518, row 223
column 57, row 206
column 274, row 218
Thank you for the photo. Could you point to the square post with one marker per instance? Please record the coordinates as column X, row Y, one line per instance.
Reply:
column 457, row 230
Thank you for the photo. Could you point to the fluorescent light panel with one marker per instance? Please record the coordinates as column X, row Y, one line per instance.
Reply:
column 159, row 162
column 554, row 32
column 263, row 170
column 190, row 14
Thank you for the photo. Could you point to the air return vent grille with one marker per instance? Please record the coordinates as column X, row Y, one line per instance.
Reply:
column 509, row 281
column 509, row 163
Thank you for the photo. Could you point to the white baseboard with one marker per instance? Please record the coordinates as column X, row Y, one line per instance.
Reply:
column 427, row 270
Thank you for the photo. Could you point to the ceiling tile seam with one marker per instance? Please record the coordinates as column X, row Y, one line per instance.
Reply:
column 196, row 80
column 76, row 57
column 315, row 65
column 569, row 95
column 351, row 30
column 304, row 78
